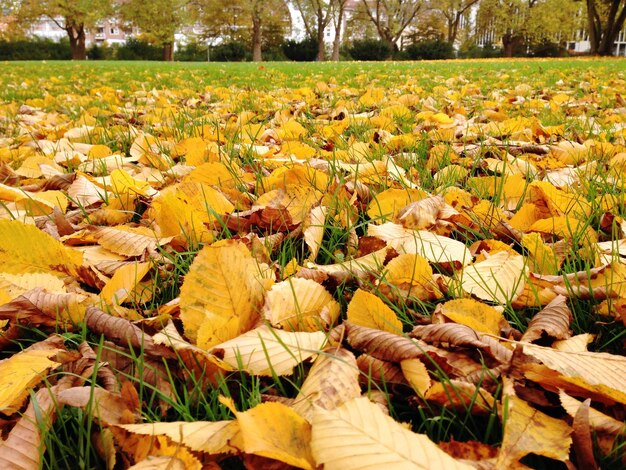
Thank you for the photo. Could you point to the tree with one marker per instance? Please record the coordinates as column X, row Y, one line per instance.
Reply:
column 605, row 19
column 248, row 21
column 316, row 16
column 72, row 16
column 391, row 17
column 521, row 23
column 158, row 20
column 339, row 11
column 453, row 11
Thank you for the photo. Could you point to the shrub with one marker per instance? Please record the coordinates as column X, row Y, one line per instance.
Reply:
column 274, row 54
column 430, row 50
column 192, row 52
column 305, row 50
column 35, row 49
column 370, row 49
column 134, row 49
column 102, row 52
column 231, row 51
column 471, row 50
column 547, row 48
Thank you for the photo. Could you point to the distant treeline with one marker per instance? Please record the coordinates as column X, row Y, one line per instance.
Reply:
column 233, row 51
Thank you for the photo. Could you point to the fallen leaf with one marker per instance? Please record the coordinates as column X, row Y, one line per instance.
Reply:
column 360, row 424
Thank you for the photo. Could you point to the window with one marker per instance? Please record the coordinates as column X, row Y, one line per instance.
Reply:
column 99, row 30
column 114, row 30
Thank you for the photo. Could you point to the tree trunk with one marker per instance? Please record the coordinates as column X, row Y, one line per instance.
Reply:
column 168, row 52
column 614, row 24
column 77, row 41
column 321, row 47
column 337, row 40
column 594, row 39
column 257, row 55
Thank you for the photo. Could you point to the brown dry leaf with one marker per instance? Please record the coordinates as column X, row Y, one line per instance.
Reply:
column 469, row 450
column 22, row 449
column 380, row 372
column 553, row 321
column 267, row 351
column 139, row 447
column 275, row 431
column 421, row 214
column 451, row 335
column 300, row 305
column 211, row 437
column 597, row 420
column 434, row 248
column 384, row 345
column 37, row 307
column 221, row 295
column 582, row 443
column 527, row 431
column 130, row 242
column 477, row 315
column 500, row 278
column 20, row 373
column 332, row 380
column 368, row 310
column 109, row 408
column 381, row 441
column 123, row 333
column 198, row 361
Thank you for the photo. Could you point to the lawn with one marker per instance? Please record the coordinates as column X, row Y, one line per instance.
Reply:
column 239, row 265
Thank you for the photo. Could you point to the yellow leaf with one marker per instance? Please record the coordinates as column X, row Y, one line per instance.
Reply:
column 297, row 200
column 124, row 284
column 499, row 278
column 276, row 431
column 212, row 437
column 387, row 204
column 292, row 130
column 215, row 174
column 266, row 351
column 26, row 249
column 368, row 310
column 413, row 275
column 314, row 227
column 220, row 296
column 477, row 315
column 416, row 374
column 543, row 259
column 381, row 441
column 300, row 305
column 527, row 431
column 123, row 183
column 602, row 369
column 20, row 373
